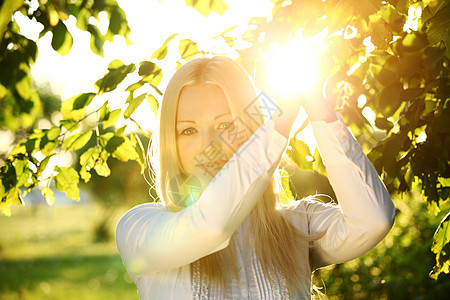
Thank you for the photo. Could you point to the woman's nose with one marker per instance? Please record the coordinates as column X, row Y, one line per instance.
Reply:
column 212, row 146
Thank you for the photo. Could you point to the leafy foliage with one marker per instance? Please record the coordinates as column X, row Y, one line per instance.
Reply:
column 403, row 80
column 18, row 98
column 397, row 267
column 205, row 7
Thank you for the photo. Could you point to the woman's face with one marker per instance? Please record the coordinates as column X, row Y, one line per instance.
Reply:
column 203, row 126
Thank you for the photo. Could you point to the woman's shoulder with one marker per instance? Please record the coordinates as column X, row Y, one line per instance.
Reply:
column 149, row 206
column 145, row 208
column 140, row 213
column 309, row 204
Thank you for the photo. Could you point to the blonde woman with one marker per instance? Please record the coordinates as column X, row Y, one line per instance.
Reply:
column 220, row 231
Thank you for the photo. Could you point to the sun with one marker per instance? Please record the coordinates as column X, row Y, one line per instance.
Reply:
column 292, row 69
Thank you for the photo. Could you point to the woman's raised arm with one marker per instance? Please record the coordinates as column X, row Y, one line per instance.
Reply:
column 151, row 239
column 365, row 212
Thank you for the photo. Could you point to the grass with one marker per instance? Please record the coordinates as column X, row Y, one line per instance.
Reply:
column 50, row 253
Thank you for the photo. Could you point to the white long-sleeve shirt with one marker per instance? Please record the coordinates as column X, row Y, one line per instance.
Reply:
column 158, row 246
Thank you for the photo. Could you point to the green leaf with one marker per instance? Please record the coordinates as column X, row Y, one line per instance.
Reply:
column 49, row 196
column 286, row 193
column 134, row 86
column 134, row 104
column 112, row 118
column 103, row 112
column 390, row 99
column 96, row 40
column 75, row 107
column 23, row 171
column 187, row 48
column 48, row 148
column 162, row 51
column 117, row 73
column 318, row 164
column 70, row 125
column 150, row 72
column 125, row 151
column 297, row 151
column 67, row 181
column 62, row 39
column 114, row 143
column 87, row 161
column 380, row 32
column 120, row 131
column 30, row 145
column 53, row 133
column 441, row 123
column 383, row 123
column 440, row 239
column 12, row 197
column 9, row 179
column 146, row 68
column 408, row 65
column 31, row 49
column 43, row 164
column 115, row 21
column 83, row 100
column 23, row 87
column 156, row 89
column 77, row 141
column 102, row 169
column 411, row 94
column 85, row 175
column 386, row 72
column 205, row 7
column 3, row 91
column 433, row 57
column 393, row 17
column 88, row 158
column 438, row 28
column 115, row 64
column 414, row 42
column 153, row 103
column 104, row 138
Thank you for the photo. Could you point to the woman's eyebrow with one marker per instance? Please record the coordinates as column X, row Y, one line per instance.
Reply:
column 217, row 117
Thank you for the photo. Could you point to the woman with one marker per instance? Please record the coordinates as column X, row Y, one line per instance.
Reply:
column 222, row 231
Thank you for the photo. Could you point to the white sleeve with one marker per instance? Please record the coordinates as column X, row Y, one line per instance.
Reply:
column 151, row 239
column 365, row 212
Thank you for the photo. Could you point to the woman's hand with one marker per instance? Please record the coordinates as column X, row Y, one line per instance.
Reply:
column 317, row 107
column 312, row 101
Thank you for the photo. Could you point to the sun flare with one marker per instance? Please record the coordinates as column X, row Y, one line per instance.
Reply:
column 292, row 69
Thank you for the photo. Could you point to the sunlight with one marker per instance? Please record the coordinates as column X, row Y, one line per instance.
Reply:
column 293, row 68
column 414, row 14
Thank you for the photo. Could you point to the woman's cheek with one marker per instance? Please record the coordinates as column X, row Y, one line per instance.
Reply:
column 187, row 153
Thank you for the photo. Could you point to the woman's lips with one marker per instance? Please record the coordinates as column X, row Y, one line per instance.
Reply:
column 213, row 166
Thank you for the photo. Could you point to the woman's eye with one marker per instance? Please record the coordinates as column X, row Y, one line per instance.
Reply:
column 189, row 131
column 225, row 125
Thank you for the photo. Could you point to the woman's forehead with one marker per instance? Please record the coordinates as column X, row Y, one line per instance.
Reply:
column 201, row 99
column 201, row 90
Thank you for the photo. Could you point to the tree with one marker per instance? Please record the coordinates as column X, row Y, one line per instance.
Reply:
column 386, row 61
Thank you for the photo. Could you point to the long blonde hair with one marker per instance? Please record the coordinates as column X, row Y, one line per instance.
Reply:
column 276, row 241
